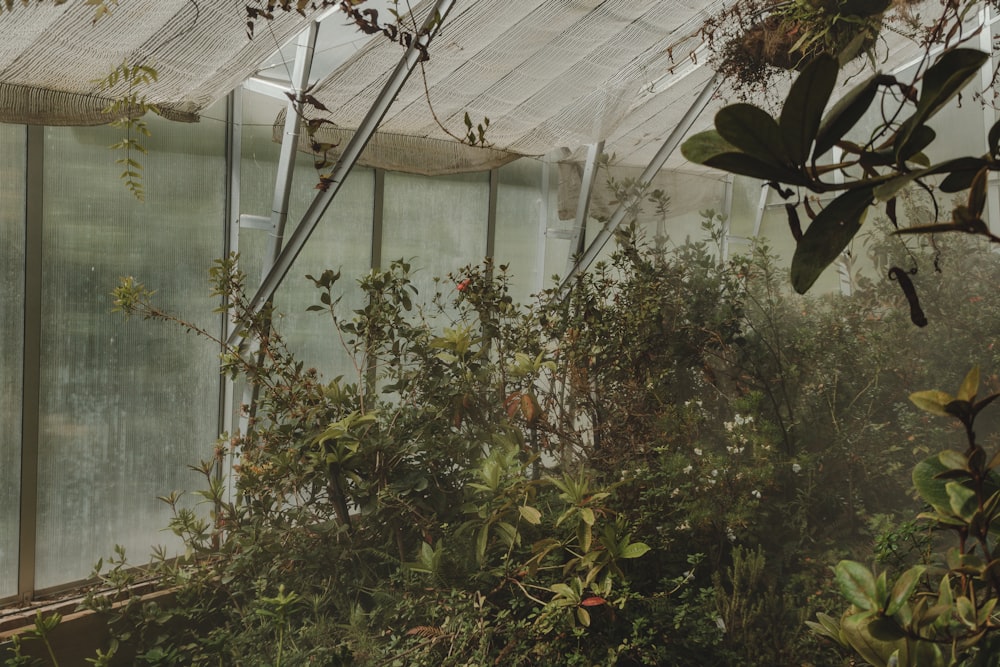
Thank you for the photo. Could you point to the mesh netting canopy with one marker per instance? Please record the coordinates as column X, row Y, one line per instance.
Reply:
column 548, row 74
column 52, row 56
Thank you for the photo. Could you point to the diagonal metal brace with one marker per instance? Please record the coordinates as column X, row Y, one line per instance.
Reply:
column 616, row 219
column 309, row 222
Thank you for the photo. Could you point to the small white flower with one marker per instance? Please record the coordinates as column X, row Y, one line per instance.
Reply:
column 697, row 451
column 675, row 493
column 796, row 468
column 687, row 470
column 730, row 534
column 715, row 473
column 756, row 494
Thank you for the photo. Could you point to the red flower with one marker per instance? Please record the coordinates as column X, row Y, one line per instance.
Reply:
column 462, row 286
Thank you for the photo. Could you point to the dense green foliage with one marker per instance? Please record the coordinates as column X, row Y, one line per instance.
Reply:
column 656, row 470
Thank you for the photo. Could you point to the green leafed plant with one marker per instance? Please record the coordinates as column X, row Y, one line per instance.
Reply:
column 792, row 152
column 126, row 111
column 941, row 613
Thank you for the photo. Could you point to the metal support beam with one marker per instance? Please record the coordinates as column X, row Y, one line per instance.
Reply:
column 290, row 142
column 31, row 373
column 543, row 226
column 282, row 193
column 378, row 215
column 989, row 113
column 727, row 212
column 761, row 207
column 579, row 238
column 491, row 213
column 231, row 244
column 348, row 158
column 645, row 179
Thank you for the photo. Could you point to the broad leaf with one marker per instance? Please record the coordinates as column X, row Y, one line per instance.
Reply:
column 705, row 145
column 904, row 588
column 945, row 78
column 747, row 165
column 828, row 235
column 530, row 514
column 994, row 139
column 920, row 138
column 970, row 386
column 929, row 486
column 634, row 550
column 803, row 109
column 845, row 114
column 753, row 131
column 942, row 81
column 932, row 401
column 961, row 173
column 857, row 584
column 962, row 500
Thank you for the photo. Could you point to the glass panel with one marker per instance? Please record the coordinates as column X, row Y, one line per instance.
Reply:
column 125, row 406
column 12, row 140
column 518, row 241
column 437, row 224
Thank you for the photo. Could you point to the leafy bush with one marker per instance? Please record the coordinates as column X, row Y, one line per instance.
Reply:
column 652, row 471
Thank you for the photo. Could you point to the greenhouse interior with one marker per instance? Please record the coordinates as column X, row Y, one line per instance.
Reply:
column 500, row 332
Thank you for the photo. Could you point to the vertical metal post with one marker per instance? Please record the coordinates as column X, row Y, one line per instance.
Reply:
column 231, row 244
column 491, row 213
column 31, row 375
column 761, row 207
column 543, row 225
column 378, row 209
column 290, row 142
column 645, row 179
column 989, row 112
column 282, row 187
column 579, row 238
column 727, row 211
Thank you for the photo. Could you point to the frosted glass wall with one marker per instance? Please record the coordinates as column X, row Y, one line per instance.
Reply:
column 342, row 242
column 12, row 200
column 519, row 243
column 437, row 224
column 125, row 406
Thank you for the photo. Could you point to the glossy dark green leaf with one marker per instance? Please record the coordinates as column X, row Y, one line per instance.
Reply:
column 747, row 165
column 864, row 7
column 753, row 131
column 945, row 78
column 828, row 235
column 942, row 81
column 845, row 114
column 930, row 488
column 804, row 105
column 977, row 196
column 857, row 584
column 705, row 145
column 994, row 139
column 960, row 172
column 919, row 139
column 904, row 588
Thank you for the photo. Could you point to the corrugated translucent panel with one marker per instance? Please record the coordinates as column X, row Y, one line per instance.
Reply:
column 342, row 242
column 519, row 243
column 12, row 138
column 125, row 405
column 438, row 225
